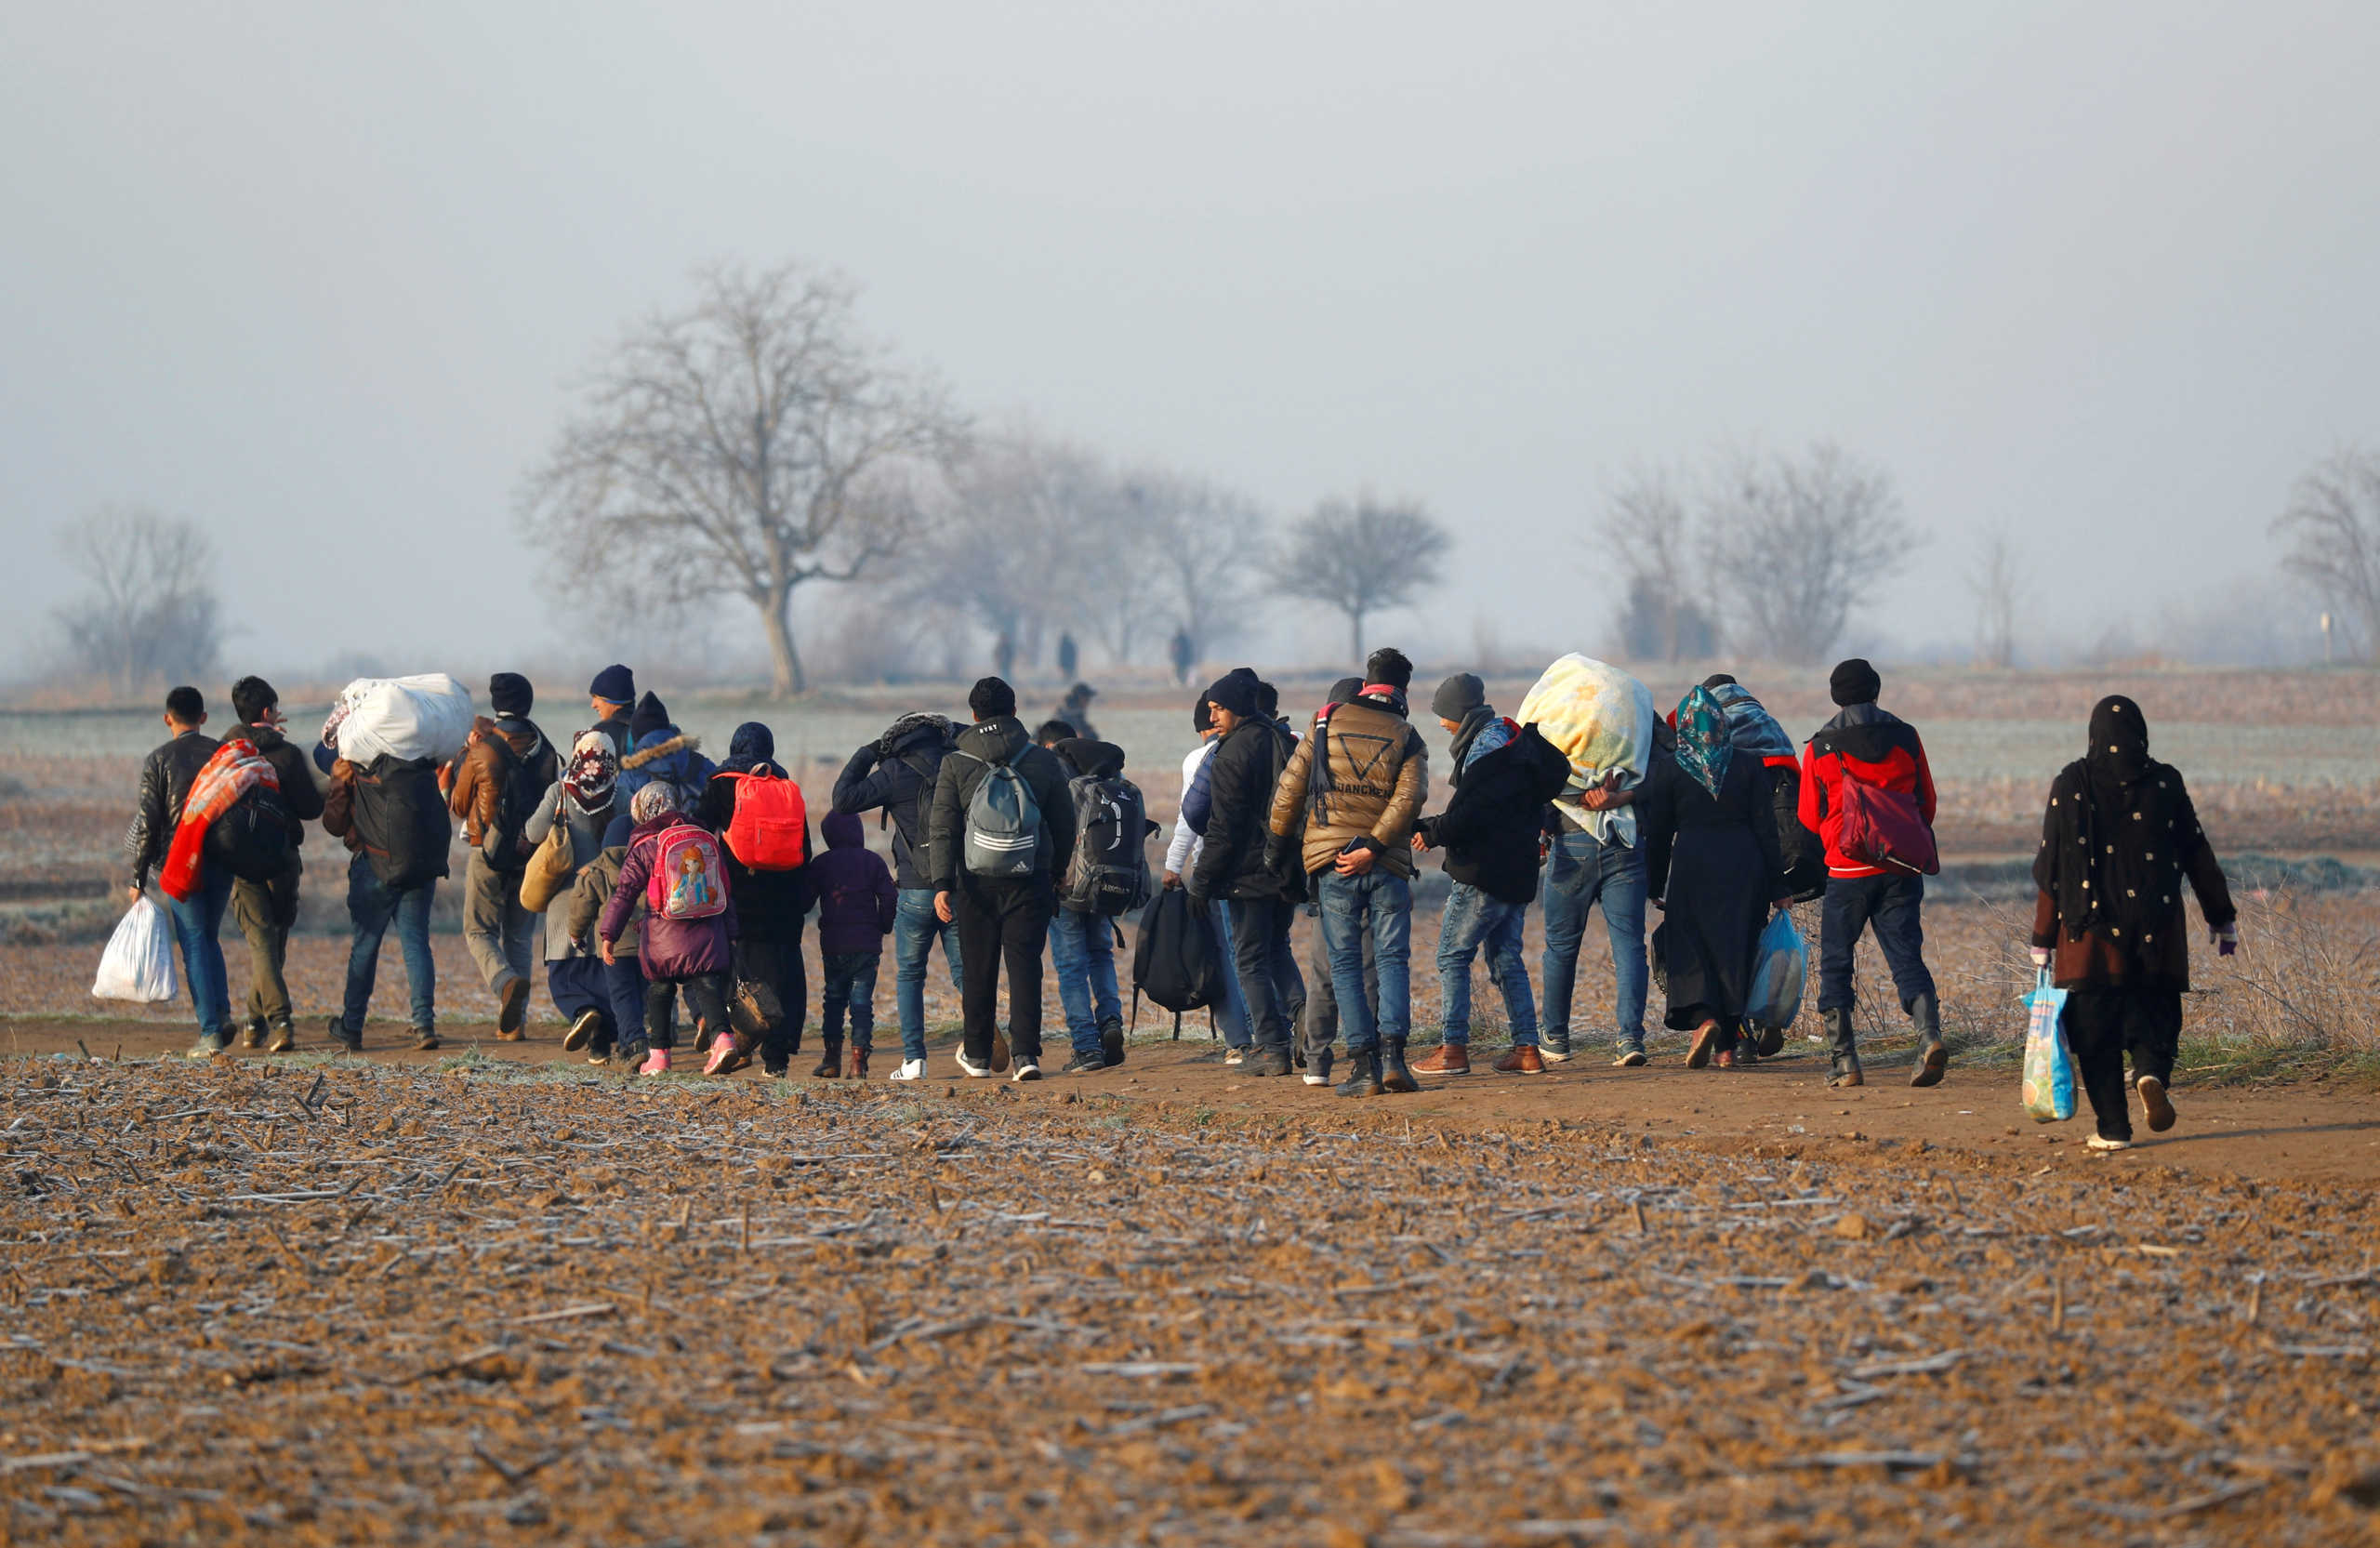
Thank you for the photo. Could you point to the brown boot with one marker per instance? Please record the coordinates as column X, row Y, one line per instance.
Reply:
column 858, row 1069
column 831, row 1061
column 1449, row 1059
column 1522, row 1060
column 1705, row 1036
column 512, row 1010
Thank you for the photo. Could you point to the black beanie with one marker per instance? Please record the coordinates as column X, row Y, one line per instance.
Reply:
column 1458, row 697
column 1854, row 682
column 1344, row 689
column 1234, row 690
column 1720, row 679
column 614, row 684
column 1202, row 715
column 651, row 716
column 509, row 694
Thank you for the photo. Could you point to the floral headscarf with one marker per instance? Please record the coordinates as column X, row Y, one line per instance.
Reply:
column 594, row 764
column 651, row 801
column 1705, row 744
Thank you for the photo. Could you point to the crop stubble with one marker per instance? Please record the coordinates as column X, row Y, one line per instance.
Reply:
column 414, row 1304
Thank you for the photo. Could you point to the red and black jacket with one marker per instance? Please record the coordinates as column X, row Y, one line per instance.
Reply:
column 1873, row 748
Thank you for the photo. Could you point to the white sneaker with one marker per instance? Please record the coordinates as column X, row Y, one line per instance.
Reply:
column 1551, row 1057
column 970, row 1070
column 911, row 1069
column 1027, row 1069
column 2096, row 1143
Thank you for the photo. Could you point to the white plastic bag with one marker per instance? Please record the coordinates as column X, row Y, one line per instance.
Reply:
column 139, row 962
column 405, row 717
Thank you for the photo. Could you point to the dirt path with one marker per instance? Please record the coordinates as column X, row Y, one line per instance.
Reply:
column 2304, row 1132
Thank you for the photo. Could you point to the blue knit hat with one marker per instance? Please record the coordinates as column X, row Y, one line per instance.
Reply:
column 615, row 683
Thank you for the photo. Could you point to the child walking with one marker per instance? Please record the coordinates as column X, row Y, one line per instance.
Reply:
column 689, row 920
column 857, row 904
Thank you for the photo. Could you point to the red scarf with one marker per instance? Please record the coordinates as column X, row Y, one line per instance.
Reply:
column 235, row 769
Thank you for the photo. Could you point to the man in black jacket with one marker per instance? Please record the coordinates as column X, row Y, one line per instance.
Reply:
column 1242, row 774
column 613, row 697
column 1000, row 918
column 895, row 773
column 266, row 910
column 165, row 782
column 1489, row 831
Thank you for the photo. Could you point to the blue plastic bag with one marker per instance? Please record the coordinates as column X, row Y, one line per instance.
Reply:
column 2049, row 1063
column 1778, row 975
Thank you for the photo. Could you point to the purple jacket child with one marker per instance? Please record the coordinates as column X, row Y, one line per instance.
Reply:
column 672, row 948
column 857, row 897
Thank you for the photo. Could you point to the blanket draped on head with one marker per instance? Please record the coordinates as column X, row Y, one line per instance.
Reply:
column 2115, row 842
column 1755, row 730
column 235, row 769
column 1602, row 719
column 1706, row 743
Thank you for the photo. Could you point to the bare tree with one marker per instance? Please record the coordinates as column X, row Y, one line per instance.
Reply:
column 745, row 446
column 1362, row 556
column 2332, row 527
column 152, row 612
column 1796, row 544
column 1197, row 539
column 1648, row 530
column 1997, row 582
column 1022, row 515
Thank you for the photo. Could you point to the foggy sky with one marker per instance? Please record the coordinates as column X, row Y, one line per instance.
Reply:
column 319, row 277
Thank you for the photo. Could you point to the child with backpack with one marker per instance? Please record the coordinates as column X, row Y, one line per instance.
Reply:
column 675, row 867
column 758, row 810
column 1107, row 876
column 857, row 905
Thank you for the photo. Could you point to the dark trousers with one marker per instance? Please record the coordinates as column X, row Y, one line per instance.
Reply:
column 266, row 910
column 624, row 979
column 579, row 984
column 1889, row 905
column 705, row 998
column 1260, row 950
column 2100, row 1025
column 1002, row 924
column 848, row 989
column 779, row 964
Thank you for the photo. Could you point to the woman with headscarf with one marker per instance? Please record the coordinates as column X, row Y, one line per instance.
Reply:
column 581, row 799
column 1711, row 865
column 772, row 987
column 2117, row 840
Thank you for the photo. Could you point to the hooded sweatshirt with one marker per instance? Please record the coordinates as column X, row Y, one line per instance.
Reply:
column 857, row 897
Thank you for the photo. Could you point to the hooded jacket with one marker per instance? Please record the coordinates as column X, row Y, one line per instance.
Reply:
column 670, row 948
column 165, row 778
column 479, row 773
column 1877, row 749
column 1368, row 791
column 770, row 906
column 299, row 792
column 857, row 897
column 1002, row 739
column 1240, row 777
column 668, row 754
column 593, row 888
column 1490, row 827
column 896, row 774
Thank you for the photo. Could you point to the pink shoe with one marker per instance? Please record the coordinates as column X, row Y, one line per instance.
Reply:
column 655, row 1062
column 726, row 1056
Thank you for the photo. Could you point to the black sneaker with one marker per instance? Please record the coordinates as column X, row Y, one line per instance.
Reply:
column 340, row 1035
column 1267, row 1061
column 1085, row 1063
column 582, row 1031
column 424, row 1040
column 1111, row 1040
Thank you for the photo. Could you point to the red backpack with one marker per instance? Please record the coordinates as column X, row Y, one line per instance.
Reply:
column 688, row 883
column 771, row 828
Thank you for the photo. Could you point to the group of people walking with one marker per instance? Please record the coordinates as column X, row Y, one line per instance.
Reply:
column 644, row 875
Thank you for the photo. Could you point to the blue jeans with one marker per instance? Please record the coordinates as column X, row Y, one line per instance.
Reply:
column 1382, row 900
column 1231, row 1012
column 1082, row 950
column 1474, row 920
column 196, row 921
column 372, row 905
column 1892, row 906
column 1581, row 873
column 624, row 982
column 913, row 931
column 848, row 984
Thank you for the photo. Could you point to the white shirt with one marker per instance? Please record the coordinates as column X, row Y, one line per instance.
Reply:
column 1182, row 851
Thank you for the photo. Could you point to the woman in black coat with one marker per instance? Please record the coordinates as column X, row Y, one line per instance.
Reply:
column 1711, row 865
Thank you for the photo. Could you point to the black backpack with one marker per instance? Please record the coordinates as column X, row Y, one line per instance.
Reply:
column 252, row 840
column 521, row 788
column 402, row 821
column 1179, row 962
column 1109, row 872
